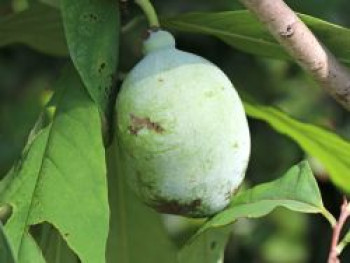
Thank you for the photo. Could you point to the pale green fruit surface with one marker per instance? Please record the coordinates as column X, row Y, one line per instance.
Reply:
column 182, row 131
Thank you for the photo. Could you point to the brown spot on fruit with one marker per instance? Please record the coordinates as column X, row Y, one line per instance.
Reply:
column 231, row 193
column 174, row 207
column 139, row 123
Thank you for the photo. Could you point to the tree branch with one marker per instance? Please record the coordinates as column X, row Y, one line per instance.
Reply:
column 344, row 215
column 304, row 47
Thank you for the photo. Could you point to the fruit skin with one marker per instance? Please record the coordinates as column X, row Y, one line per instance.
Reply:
column 182, row 131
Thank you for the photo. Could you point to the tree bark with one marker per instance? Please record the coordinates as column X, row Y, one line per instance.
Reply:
column 304, row 47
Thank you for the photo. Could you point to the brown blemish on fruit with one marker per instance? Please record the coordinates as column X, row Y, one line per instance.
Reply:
column 231, row 193
column 174, row 207
column 139, row 123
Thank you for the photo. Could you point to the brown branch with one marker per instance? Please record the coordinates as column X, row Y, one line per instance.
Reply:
column 344, row 214
column 304, row 47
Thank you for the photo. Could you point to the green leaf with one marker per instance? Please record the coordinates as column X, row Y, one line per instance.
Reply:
column 6, row 254
column 345, row 242
column 136, row 231
column 92, row 33
column 297, row 190
column 61, row 179
column 39, row 26
column 206, row 248
column 240, row 29
column 329, row 148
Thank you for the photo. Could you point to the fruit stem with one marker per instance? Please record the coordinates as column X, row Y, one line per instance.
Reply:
column 149, row 12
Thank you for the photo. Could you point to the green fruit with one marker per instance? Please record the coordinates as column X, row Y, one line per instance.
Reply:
column 182, row 131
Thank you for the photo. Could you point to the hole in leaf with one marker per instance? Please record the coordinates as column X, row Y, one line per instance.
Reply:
column 213, row 245
column 5, row 213
column 52, row 245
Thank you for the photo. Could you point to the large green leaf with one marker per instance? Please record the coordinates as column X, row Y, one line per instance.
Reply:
column 92, row 33
column 6, row 254
column 39, row 27
column 242, row 30
column 136, row 231
column 296, row 190
column 329, row 148
column 61, row 179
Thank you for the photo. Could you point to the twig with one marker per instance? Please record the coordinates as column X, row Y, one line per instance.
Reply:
column 344, row 214
column 149, row 12
column 303, row 46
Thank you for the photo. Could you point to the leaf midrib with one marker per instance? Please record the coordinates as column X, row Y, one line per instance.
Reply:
column 48, row 140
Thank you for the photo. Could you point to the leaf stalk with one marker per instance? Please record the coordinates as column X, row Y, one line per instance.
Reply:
column 149, row 12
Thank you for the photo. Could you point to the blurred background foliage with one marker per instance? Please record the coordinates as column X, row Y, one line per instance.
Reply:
column 26, row 78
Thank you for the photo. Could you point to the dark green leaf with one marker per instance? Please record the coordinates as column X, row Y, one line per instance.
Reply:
column 61, row 179
column 39, row 27
column 53, row 3
column 332, row 150
column 243, row 31
column 6, row 254
column 92, row 32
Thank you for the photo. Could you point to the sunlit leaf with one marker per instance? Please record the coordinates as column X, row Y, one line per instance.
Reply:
column 329, row 148
column 61, row 179
column 297, row 190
